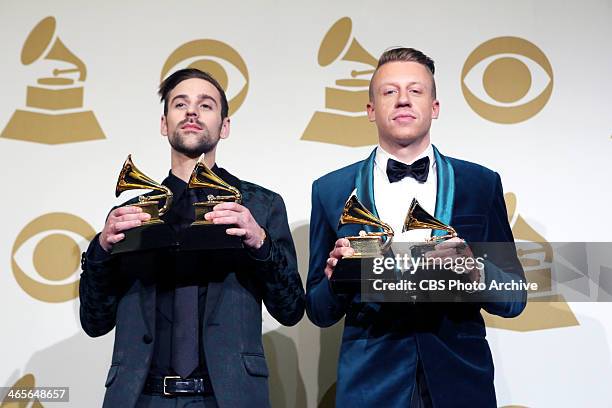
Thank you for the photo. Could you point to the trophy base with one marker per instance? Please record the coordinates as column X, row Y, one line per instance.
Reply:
column 151, row 235
column 210, row 237
column 349, row 273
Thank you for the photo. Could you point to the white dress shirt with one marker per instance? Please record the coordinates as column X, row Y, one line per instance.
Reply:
column 393, row 199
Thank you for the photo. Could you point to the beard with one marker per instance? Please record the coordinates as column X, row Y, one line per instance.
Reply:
column 191, row 143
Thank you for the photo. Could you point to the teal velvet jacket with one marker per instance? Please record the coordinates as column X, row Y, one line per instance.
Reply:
column 382, row 343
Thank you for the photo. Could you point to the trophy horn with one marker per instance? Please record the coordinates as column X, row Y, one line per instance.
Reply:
column 354, row 212
column 418, row 218
column 202, row 177
column 131, row 178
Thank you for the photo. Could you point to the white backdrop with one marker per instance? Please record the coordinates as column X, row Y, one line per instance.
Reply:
column 556, row 161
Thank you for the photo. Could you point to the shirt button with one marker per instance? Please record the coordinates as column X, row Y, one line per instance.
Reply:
column 147, row 338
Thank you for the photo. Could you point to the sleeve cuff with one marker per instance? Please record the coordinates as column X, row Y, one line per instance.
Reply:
column 264, row 252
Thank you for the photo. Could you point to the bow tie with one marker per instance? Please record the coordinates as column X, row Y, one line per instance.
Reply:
column 417, row 170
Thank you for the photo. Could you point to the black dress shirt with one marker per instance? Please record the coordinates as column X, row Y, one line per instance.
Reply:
column 179, row 217
column 169, row 273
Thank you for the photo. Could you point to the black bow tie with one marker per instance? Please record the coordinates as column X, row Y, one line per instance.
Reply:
column 417, row 170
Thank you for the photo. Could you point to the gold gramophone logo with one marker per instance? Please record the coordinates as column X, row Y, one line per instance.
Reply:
column 54, row 106
column 507, row 80
column 344, row 120
column 543, row 311
column 55, row 256
column 215, row 53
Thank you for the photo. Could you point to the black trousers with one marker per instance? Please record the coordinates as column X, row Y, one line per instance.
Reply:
column 160, row 401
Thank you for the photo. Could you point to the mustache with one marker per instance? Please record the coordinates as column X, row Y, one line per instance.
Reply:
column 197, row 122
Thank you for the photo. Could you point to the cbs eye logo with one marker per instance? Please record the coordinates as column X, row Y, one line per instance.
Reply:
column 214, row 52
column 49, row 246
column 512, row 76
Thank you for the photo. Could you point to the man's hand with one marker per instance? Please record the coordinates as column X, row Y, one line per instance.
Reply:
column 341, row 249
column 246, row 227
column 119, row 220
column 455, row 249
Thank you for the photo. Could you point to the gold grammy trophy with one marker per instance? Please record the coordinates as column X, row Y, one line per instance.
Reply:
column 53, row 119
column 203, row 177
column 152, row 233
column 366, row 244
column 345, row 104
column 220, row 248
column 418, row 218
column 353, row 272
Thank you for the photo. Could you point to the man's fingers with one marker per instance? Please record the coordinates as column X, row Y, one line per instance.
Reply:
column 210, row 216
column 128, row 209
column 341, row 252
column 125, row 225
column 240, row 232
column 343, row 242
column 332, row 262
column 229, row 206
column 142, row 216
column 226, row 220
column 113, row 239
column 451, row 243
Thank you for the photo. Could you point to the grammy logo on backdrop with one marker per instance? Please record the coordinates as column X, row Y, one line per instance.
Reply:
column 545, row 309
column 344, row 122
column 54, row 106
column 213, row 56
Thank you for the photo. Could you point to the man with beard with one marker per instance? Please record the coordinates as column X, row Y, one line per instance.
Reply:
column 178, row 341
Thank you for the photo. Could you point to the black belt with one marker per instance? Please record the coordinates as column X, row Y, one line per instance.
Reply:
column 175, row 385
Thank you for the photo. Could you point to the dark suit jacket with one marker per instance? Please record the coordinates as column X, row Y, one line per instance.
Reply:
column 382, row 343
column 121, row 294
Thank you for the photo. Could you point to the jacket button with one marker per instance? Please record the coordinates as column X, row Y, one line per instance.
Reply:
column 147, row 338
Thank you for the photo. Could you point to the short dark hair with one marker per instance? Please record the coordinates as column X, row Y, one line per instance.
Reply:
column 181, row 75
column 405, row 55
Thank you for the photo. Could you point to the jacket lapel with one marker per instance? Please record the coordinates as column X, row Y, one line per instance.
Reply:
column 364, row 184
column 445, row 190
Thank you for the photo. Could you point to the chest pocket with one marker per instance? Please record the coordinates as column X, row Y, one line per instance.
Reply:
column 470, row 227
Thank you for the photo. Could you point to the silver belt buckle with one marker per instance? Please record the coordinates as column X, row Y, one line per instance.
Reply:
column 174, row 377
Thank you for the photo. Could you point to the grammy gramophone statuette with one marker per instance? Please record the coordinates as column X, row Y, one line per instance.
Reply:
column 203, row 235
column 418, row 218
column 152, row 233
column 366, row 244
column 203, row 177
column 347, row 276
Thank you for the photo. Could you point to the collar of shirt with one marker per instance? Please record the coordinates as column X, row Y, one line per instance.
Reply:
column 382, row 157
column 393, row 199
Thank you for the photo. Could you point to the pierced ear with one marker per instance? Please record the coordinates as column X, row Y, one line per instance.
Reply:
column 163, row 126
